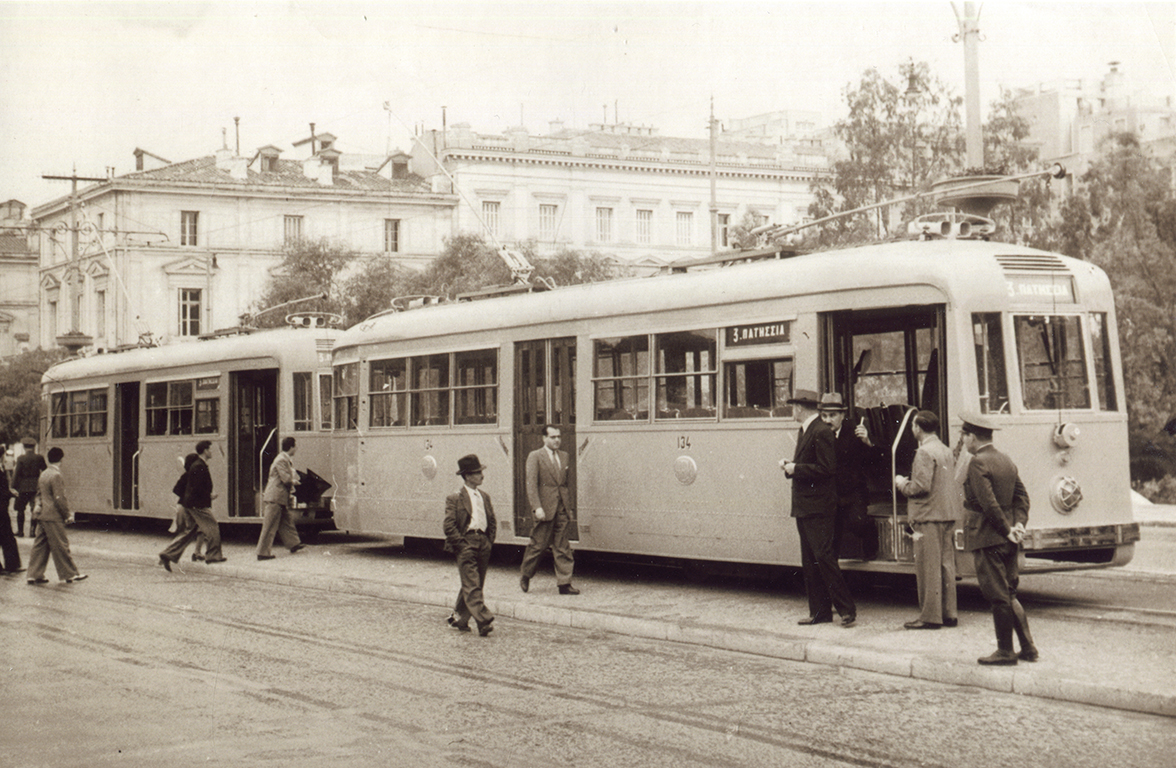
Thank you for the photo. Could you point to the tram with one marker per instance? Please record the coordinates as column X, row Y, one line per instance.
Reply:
column 127, row 419
column 670, row 392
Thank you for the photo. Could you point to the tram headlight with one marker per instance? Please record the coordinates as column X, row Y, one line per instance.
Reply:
column 1065, row 494
column 1066, row 435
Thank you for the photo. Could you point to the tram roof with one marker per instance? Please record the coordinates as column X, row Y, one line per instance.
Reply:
column 275, row 344
column 957, row 268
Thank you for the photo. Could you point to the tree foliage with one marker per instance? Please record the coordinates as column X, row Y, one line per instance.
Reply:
column 308, row 268
column 20, row 393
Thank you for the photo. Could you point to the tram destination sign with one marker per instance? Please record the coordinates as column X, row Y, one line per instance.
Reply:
column 779, row 332
column 1040, row 288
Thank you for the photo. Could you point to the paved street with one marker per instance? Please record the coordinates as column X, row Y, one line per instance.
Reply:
column 139, row 667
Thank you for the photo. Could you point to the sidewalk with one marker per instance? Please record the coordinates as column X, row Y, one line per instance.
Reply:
column 1116, row 662
column 1160, row 515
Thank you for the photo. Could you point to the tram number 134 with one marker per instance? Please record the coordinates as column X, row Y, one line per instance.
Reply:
column 683, row 441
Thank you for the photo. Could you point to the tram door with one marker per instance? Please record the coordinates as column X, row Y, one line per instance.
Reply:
column 886, row 363
column 126, row 445
column 253, row 441
column 545, row 393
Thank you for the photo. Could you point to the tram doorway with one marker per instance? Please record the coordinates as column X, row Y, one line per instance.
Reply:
column 545, row 393
column 888, row 363
column 126, row 446
column 253, row 438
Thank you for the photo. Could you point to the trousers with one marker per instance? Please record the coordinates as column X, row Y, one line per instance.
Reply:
column 51, row 540
column 472, row 561
column 551, row 533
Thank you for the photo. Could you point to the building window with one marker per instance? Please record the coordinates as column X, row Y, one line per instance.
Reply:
column 391, row 235
column 100, row 314
column 190, row 311
column 325, row 400
column 490, row 210
column 685, row 228
column 303, row 401
column 644, row 226
column 346, row 396
column 604, row 225
column 724, row 229
column 52, row 314
column 293, row 229
column 79, row 414
column 189, row 227
column 547, row 219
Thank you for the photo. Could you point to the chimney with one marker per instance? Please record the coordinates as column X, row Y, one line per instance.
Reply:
column 555, row 126
column 237, row 167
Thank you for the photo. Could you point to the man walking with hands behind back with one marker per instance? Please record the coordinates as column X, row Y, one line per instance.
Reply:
column 28, row 470
column 551, row 501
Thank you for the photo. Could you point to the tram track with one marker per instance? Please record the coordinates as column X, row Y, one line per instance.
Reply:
column 343, row 652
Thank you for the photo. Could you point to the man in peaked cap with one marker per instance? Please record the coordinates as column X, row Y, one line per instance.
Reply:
column 470, row 528
column 813, row 471
column 996, row 509
column 29, row 467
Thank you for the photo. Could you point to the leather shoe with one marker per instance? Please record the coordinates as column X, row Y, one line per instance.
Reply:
column 524, row 583
column 38, row 581
column 165, row 562
column 297, row 548
column 215, row 559
column 568, row 589
column 951, row 623
column 815, row 620
column 485, row 629
column 265, row 557
column 999, row 658
column 79, row 577
column 1028, row 654
column 849, row 621
column 197, row 557
column 921, row 625
column 460, row 626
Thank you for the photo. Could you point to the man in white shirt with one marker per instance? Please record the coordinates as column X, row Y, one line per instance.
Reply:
column 470, row 527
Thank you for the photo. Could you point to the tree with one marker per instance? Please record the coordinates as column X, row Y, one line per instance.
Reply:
column 308, row 267
column 371, row 287
column 740, row 235
column 20, row 393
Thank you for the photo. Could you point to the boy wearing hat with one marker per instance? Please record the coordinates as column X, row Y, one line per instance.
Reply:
column 997, row 508
column 813, row 471
column 470, row 527
column 28, row 470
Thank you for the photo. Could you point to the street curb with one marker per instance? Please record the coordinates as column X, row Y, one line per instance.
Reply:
column 1022, row 680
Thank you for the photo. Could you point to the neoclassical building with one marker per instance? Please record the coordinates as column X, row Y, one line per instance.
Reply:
column 176, row 250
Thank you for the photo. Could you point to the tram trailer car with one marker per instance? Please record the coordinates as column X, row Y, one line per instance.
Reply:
column 671, row 396
column 126, row 420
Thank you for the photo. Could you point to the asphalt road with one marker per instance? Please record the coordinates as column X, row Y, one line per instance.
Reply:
column 138, row 667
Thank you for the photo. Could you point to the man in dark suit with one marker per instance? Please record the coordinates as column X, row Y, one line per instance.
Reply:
column 197, row 503
column 996, row 508
column 813, row 471
column 28, row 470
column 855, row 452
column 470, row 528
column 550, row 499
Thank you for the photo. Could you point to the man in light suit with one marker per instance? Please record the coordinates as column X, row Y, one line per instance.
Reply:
column 278, row 518
column 51, row 512
column 551, row 501
column 813, row 471
column 470, row 528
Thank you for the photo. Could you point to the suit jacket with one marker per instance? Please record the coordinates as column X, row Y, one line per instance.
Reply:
column 29, row 467
column 931, row 489
column 198, row 494
column 282, row 477
column 853, row 456
column 458, row 514
column 546, row 486
column 994, row 499
column 51, row 490
column 814, row 481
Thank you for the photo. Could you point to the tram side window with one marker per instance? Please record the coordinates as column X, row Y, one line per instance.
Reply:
column 430, row 390
column 79, row 414
column 475, row 389
column 1052, row 360
column 990, row 362
column 686, row 374
column 325, row 399
column 620, row 375
column 388, row 393
column 758, row 388
column 303, row 401
column 346, row 396
column 207, row 415
column 1104, row 372
column 171, row 408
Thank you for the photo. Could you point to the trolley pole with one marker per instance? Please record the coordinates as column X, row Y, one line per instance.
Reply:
column 714, row 169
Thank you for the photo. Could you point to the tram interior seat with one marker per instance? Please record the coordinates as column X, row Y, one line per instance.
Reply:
column 697, row 413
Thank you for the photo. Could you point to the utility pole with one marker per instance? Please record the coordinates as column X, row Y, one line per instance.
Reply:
column 969, row 25
column 714, row 169
column 73, row 271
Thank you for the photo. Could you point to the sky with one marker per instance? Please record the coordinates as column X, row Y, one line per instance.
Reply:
column 85, row 84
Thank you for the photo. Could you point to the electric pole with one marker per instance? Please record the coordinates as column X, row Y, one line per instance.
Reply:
column 73, row 272
column 714, row 169
column 969, row 25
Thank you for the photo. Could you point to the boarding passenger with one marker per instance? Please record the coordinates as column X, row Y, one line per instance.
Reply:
column 51, row 513
column 197, row 502
column 278, row 517
column 470, row 528
column 933, row 509
column 28, row 470
column 813, row 471
column 550, row 500
column 7, row 540
column 855, row 452
column 997, row 508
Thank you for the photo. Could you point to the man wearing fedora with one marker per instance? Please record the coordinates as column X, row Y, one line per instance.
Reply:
column 996, row 510
column 813, row 471
column 855, row 452
column 470, row 528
